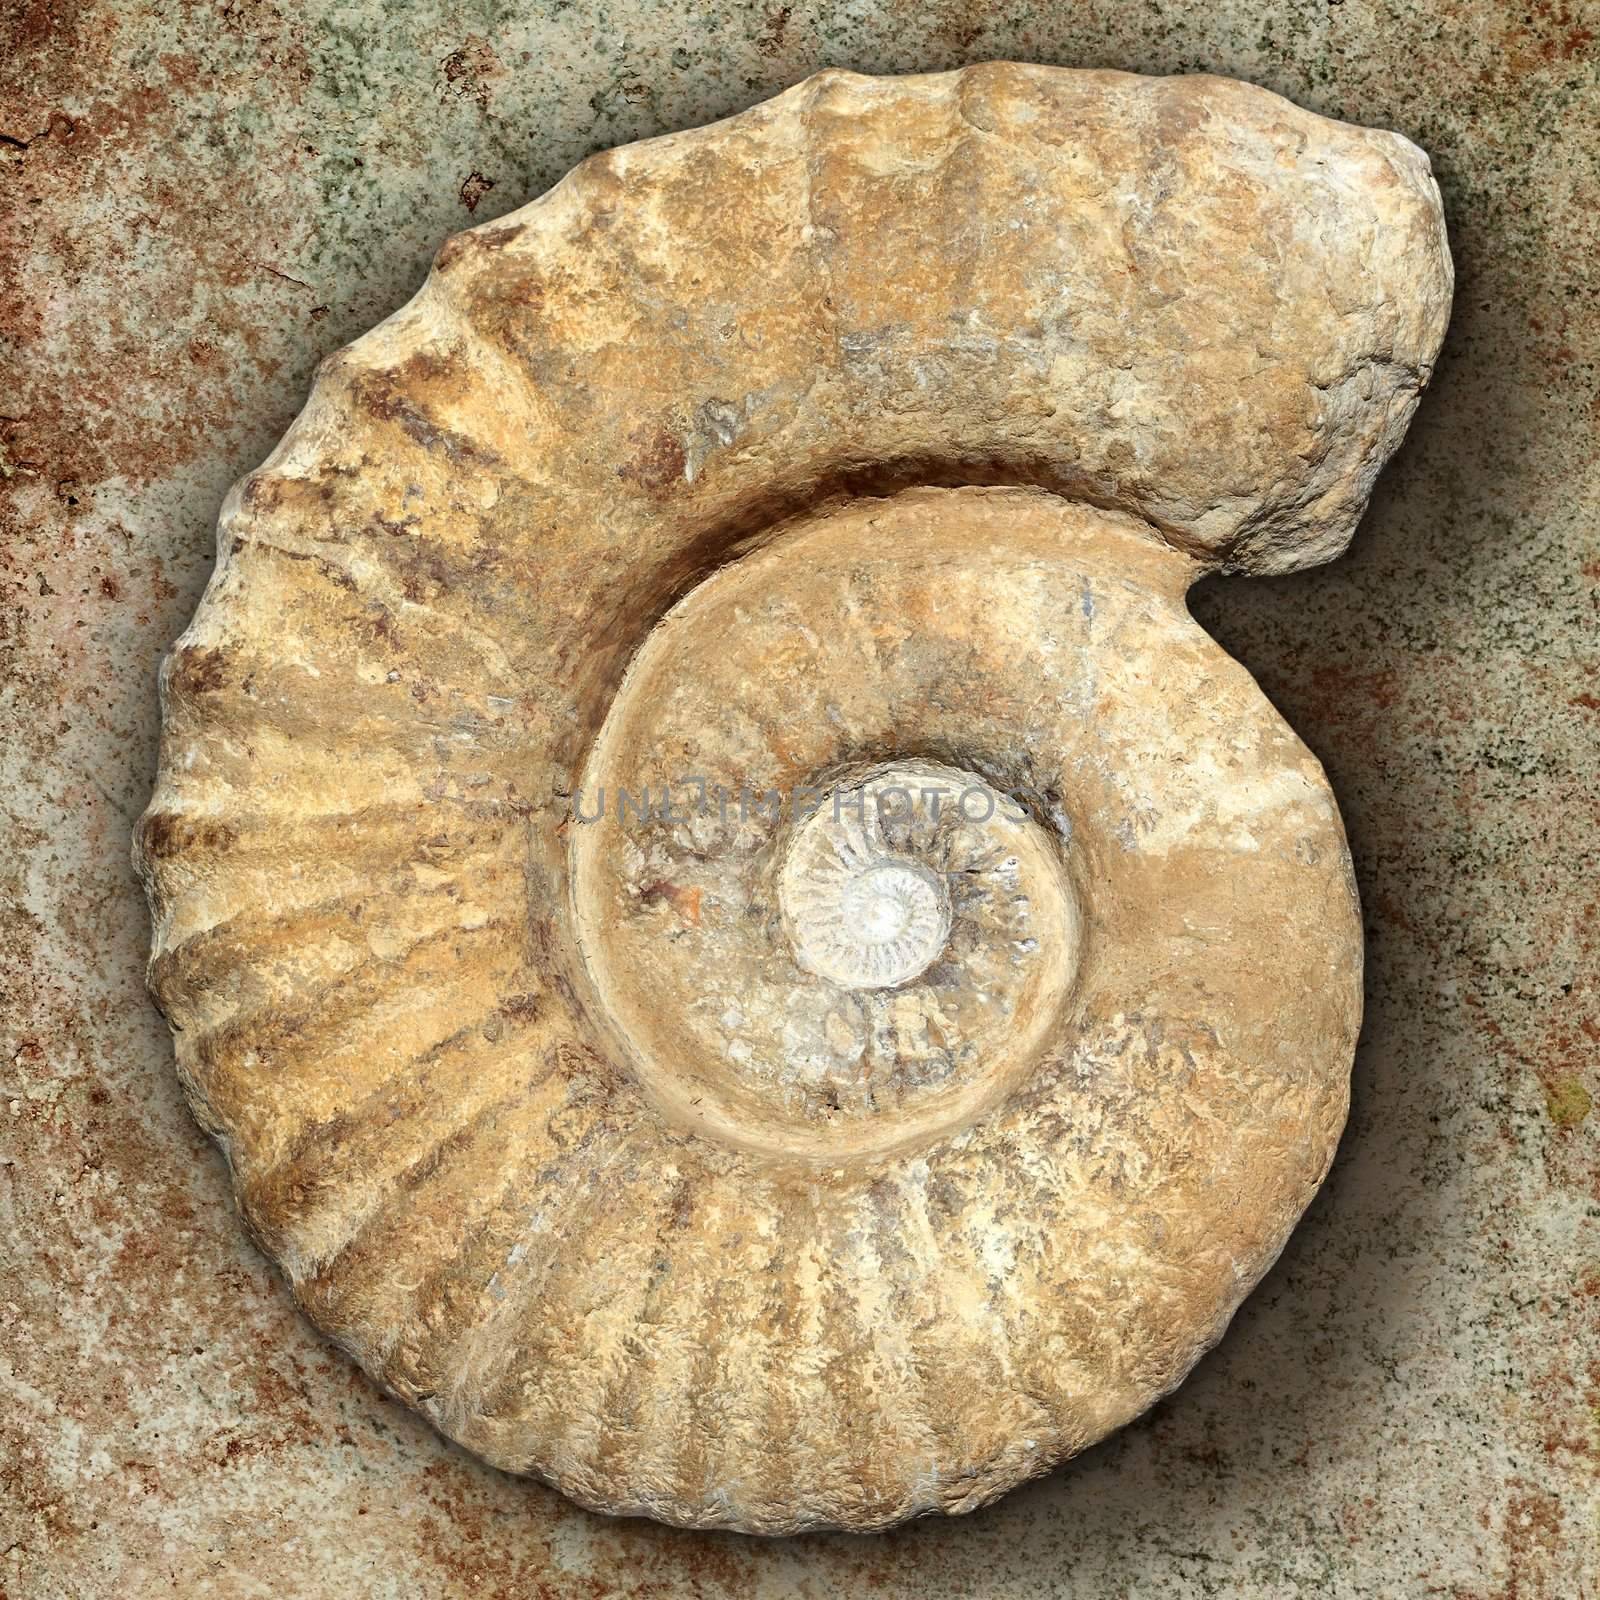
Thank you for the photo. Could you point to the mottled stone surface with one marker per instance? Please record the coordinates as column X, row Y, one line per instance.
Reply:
column 211, row 203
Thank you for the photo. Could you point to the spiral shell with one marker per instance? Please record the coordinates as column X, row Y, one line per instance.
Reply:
column 614, row 1064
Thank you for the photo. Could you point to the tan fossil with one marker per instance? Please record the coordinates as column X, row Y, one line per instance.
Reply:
column 817, row 1161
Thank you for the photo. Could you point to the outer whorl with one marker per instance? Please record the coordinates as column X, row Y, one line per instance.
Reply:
column 613, row 1064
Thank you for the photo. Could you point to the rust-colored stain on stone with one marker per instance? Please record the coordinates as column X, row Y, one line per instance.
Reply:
column 197, row 207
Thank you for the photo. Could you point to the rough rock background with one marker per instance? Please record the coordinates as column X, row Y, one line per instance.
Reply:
column 197, row 203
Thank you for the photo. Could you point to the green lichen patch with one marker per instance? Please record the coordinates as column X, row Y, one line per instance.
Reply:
column 1568, row 1102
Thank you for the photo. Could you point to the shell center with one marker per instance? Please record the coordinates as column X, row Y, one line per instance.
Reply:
column 872, row 926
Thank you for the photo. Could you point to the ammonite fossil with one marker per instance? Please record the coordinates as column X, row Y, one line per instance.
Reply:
column 747, row 956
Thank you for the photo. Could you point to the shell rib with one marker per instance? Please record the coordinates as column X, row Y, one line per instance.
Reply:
column 748, row 1168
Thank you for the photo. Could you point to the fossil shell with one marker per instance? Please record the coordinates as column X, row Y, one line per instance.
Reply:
column 716, row 1155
